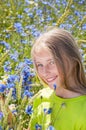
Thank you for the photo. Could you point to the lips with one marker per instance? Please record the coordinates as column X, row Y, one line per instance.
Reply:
column 51, row 79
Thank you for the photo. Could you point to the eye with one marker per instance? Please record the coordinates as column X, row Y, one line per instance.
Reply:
column 39, row 65
column 52, row 62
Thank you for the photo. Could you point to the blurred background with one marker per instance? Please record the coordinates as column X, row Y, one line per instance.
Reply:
column 21, row 22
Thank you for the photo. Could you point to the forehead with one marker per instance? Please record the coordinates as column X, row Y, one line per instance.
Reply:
column 43, row 54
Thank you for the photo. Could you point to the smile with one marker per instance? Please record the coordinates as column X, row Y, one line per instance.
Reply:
column 51, row 79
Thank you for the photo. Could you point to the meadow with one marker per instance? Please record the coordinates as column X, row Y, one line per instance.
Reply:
column 21, row 22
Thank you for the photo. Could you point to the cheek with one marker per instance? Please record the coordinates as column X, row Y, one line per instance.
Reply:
column 54, row 69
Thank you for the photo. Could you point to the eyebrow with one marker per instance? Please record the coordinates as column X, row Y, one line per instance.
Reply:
column 46, row 60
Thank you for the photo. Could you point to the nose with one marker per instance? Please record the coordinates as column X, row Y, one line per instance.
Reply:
column 45, row 71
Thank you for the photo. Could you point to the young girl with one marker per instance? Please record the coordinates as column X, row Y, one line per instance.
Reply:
column 61, row 105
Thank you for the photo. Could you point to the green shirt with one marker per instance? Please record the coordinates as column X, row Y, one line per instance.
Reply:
column 62, row 114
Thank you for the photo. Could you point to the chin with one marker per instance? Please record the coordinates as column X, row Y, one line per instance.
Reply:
column 51, row 85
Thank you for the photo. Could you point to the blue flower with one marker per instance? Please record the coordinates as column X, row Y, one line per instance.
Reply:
column 54, row 86
column 23, row 34
column 14, row 56
column 1, row 115
column 7, row 36
column 20, row 66
column 24, row 41
column 2, row 88
column 77, row 13
column 81, row 2
column 14, row 93
column 30, row 15
column 47, row 111
column 14, row 112
column 12, row 78
column 27, row 93
column 26, row 73
column 20, row 16
column 29, row 109
column 1, row 128
column 84, row 27
column 28, row 61
column 45, row 2
column 27, row 87
column 5, row 44
column 27, row 1
column 18, row 27
column 50, row 127
column 38, row 127
column 26, row 10
column 10, row 85
column 39, row 12
column 7, row 67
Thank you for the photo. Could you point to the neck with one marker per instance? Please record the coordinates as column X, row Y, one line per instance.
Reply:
column 64, row 93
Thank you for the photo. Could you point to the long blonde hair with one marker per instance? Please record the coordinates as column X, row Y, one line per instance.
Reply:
column 66, row 53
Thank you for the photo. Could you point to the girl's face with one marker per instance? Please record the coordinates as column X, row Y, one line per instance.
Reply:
column 47, row 68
